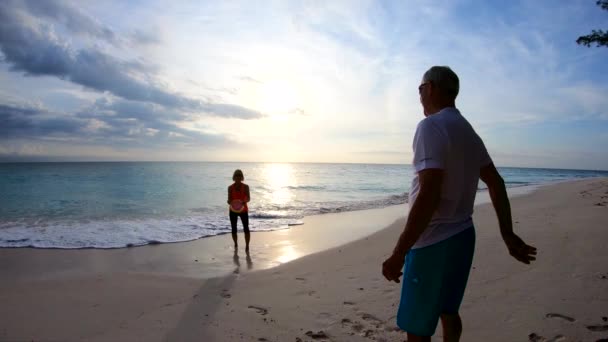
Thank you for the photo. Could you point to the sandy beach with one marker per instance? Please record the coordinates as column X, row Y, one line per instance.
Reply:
column 317, row 282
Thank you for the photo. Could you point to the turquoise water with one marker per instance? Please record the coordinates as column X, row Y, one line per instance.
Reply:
column 109, row 205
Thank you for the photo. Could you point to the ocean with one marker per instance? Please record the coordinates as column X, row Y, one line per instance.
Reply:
column 120, row 204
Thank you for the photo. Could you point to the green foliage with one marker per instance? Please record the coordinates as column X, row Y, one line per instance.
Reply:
column 599, row 37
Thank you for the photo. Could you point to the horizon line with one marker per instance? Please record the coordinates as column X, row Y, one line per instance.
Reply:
column 264, row 162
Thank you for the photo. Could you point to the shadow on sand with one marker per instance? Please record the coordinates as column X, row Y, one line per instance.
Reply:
column 199, row 315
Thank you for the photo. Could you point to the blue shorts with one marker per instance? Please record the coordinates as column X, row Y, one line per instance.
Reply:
column 434, row 280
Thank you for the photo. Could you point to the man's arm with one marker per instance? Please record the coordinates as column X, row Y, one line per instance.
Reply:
column 498, row 194
column 418, row 219
column 422, row 210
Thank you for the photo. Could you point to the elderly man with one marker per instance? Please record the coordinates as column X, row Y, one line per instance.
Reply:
column 439, row 237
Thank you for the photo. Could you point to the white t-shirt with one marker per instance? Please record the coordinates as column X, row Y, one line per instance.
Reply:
column 447, row 141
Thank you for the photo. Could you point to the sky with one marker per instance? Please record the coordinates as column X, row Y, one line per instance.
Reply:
column 297, row 81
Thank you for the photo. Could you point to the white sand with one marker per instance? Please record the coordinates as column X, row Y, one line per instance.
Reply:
column 134, row 295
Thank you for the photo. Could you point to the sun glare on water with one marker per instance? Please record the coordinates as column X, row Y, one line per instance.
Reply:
column 278, row 178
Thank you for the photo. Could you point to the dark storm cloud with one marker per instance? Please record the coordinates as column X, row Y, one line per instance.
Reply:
column 73, row 19
column 105, row 123
column 23, row 122
column 30, row 44
column 78, row 22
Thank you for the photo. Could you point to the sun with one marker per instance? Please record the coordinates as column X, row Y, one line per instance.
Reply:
column 277, row 99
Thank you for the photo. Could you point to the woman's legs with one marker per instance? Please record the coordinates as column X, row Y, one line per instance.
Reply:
column 233, row 220
column 245, row 221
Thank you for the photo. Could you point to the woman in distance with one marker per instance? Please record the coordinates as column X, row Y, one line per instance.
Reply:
column 238, row 196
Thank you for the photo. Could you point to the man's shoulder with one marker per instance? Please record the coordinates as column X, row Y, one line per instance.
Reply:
column 424, row 123
column 445, row 120
column 430, row 125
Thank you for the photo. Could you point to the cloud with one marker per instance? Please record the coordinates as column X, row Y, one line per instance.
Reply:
column 29, row 122
column 107, row 123
column 78, row 22
column 145, row 38
column 73, row 19
column 32, row 46
column 298, row 111
column 249, row 79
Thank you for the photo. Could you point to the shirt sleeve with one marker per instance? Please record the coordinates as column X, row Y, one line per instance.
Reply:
column 430, row 147
column 484, row 159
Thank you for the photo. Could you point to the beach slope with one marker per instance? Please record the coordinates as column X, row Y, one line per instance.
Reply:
column 340, row 294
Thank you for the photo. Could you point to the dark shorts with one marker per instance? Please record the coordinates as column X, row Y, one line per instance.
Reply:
column 244, row 220
column 434, row 280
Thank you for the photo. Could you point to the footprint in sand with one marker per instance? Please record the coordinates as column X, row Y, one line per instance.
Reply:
column 391, row 329
column 598, row 327
column 319, row 335
column 324, row 315
column 371, row 319
column 368, row 333
column 556, row 315
column 356, row 326
column 225, row 294
column 349, row 303
column 262, row 311
column 533, row 337
column 369, row 329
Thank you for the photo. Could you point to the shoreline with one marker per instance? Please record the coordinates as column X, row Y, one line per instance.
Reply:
column 14, row 239
column 214, row 256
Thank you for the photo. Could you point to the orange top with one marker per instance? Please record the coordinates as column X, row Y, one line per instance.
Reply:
column 239, row 193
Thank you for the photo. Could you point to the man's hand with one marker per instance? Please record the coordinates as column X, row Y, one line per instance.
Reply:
column 391, row 268
column 518, row 248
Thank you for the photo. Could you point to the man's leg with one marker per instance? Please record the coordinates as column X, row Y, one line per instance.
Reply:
column 460, row 254
column 420, row 304
column 452, row 327
column 414, row 338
